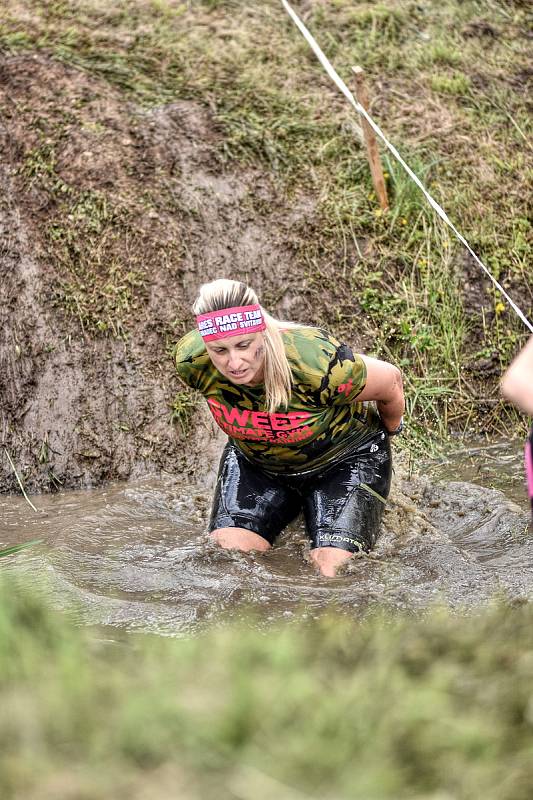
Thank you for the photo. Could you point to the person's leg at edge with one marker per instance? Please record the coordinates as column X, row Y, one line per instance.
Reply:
column 240, row 539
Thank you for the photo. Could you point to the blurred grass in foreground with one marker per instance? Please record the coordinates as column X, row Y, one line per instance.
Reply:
column 439, row 707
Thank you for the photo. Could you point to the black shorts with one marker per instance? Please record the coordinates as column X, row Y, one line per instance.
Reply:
column 342, row 506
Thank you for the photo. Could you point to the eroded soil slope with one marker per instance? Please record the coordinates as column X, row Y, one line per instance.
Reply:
column 149, row 147
column 111, row 216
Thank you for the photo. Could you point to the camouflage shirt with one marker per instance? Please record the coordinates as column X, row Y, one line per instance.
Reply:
column 323, row 422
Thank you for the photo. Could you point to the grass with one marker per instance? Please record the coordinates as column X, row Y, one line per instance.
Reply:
column 91, row 236
column 385, row 708
column 15, row 548
column 19, row 480
column 463, row 130
column 182, row 410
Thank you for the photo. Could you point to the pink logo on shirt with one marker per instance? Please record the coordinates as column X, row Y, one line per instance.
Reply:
column 243, row 423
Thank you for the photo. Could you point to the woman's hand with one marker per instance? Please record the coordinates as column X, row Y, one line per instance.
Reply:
column 384, row 385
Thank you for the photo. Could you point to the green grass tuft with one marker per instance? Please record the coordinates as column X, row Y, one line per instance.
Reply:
column 182, row 409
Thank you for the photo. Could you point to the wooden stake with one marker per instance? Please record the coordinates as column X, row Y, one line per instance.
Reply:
column 370, row 140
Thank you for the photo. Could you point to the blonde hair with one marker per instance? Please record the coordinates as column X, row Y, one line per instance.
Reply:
column 224, row 293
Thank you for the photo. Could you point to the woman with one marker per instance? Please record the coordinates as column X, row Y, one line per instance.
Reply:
column 301, row 436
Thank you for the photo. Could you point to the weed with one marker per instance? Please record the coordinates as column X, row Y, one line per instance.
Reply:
column 16, row 548
column 442, row 53
column 44, row 451
column 182, row 409
column 457, row 84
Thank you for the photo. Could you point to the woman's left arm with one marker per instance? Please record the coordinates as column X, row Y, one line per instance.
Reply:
column 384, row 385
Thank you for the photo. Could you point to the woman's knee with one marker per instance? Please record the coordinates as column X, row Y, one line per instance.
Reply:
column 240, row 539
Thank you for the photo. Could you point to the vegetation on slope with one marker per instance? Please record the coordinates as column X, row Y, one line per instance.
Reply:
column 448, row 82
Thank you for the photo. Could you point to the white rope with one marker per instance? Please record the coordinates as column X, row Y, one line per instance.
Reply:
column 433, row 203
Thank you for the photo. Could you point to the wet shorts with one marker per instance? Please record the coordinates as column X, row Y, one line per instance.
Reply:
column 339, row 511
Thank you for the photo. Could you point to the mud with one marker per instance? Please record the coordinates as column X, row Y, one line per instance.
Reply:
column 136, row 556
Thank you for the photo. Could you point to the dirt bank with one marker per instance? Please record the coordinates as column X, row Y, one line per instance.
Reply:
column 111, row 216
column 115, row 207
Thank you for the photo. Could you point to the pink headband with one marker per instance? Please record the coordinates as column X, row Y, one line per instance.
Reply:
column 230, row 322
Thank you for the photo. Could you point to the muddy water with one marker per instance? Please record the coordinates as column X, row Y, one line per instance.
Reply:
column 135, row 555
